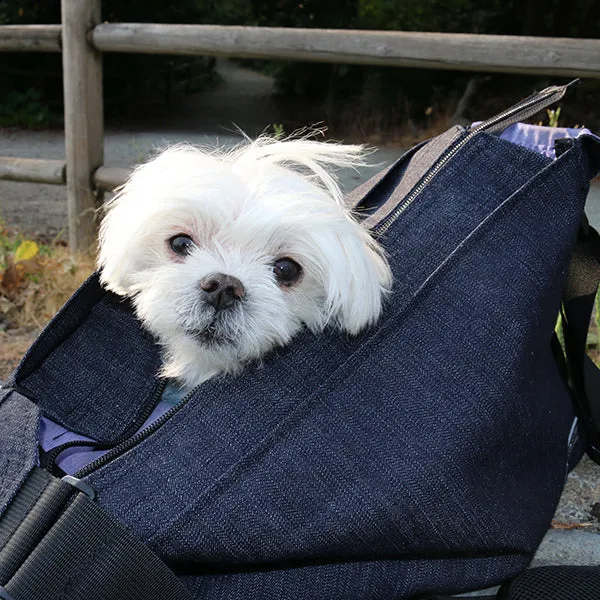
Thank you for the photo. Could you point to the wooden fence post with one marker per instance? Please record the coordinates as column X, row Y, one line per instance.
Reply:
column 84, row 126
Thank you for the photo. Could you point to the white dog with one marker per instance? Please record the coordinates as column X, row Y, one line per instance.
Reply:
column 227, row 255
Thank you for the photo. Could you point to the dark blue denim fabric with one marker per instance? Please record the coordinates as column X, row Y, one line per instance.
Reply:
column 382, row 579
column 426, row 454
column 72, row 382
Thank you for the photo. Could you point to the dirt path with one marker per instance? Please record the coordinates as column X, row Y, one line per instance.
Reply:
column 13, row 345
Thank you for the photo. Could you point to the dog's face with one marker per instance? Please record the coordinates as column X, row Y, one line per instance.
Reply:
column 226, row 257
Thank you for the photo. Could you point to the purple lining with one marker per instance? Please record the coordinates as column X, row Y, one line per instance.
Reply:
column 540, row 139
column 74, row 459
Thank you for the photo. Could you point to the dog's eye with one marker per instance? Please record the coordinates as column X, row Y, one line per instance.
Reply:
column 287, row 271
column 181, row 244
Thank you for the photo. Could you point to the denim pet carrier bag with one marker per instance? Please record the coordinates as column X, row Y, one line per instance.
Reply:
column 425, row 456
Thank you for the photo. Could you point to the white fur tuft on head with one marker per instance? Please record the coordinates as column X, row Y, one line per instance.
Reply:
column 242, row 211
column 306, row 156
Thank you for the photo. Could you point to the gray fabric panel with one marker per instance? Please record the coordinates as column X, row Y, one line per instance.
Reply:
column 19, row 422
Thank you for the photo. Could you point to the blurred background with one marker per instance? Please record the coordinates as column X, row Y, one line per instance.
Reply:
column 382, row 105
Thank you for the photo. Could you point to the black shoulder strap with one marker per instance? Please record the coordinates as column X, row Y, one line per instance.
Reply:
column 578, row 304
column 57, row 543
column 546, row 583
column 554, row 583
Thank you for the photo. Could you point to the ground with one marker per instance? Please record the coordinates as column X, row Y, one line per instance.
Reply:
column 13, row 345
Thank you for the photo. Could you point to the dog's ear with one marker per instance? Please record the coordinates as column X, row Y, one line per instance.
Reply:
column 116, row 253
column 122, row 243
column 356, row 296
column 354, row 274
column 133, row 218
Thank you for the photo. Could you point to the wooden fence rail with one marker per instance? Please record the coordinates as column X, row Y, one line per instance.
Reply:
column 109, row 178
column 54, row 172
column 36, row 170
column 83, row 37
column 508, row 54
column 30, row 38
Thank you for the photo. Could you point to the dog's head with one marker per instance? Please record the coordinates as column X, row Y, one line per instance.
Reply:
column 228, row 255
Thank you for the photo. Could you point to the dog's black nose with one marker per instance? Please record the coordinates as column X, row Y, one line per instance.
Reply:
column 221, row 291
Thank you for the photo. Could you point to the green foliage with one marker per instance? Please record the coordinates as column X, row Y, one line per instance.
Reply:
column 597, row 311
column 24, row 109
column 338, row 14
column 592, row 345
column 278, row 131
column 553, row 116
column 569, row 18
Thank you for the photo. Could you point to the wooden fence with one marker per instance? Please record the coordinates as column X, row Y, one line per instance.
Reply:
column 82, row 38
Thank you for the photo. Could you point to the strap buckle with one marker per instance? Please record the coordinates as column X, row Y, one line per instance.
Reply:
column 79, row 485
column 57, row 544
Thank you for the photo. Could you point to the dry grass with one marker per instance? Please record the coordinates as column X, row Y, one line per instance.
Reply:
column 36, row 279
column 378, row 130
column 40, row 296
column 395, row 125
column 36, row 283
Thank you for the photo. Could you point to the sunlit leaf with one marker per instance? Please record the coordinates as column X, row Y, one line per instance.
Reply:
column 5, row 305
column 26, row 250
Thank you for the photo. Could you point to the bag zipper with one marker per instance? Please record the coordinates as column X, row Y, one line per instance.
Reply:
column 522, row 110
column 48, row 460
column 525, row 108
column 134, row 440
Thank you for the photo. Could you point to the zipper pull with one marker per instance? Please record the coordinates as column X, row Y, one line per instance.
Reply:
column 525, row 108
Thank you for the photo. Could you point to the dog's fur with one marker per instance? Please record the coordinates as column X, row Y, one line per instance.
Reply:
column 244, row 210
